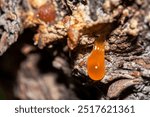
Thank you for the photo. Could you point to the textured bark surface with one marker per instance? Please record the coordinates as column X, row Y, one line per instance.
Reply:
column 59, row 69
column 10, row 23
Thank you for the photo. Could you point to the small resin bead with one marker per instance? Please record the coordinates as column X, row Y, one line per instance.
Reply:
column 47, row 13
column 96, row 60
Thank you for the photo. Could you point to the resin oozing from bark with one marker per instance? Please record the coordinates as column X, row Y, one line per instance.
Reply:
column 96, row 60
column 47, row 13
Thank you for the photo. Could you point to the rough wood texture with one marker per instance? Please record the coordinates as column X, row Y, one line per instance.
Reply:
column 10, row 23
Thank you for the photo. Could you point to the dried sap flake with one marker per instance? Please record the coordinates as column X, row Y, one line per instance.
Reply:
column 37, row 3
column 73, row 35
column 96, row 60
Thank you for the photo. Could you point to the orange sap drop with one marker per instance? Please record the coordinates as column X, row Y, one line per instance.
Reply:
column 96, row 60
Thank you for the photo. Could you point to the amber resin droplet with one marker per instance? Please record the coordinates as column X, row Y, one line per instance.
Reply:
column 96, row 60
column 47, row 12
